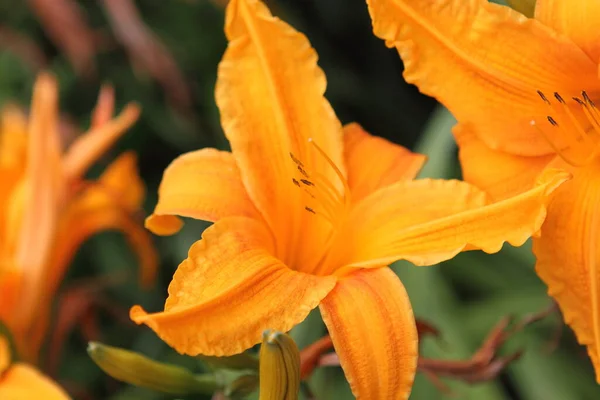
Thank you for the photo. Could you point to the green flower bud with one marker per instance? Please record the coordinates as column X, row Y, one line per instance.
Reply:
column 279, row 367
column 133, row 368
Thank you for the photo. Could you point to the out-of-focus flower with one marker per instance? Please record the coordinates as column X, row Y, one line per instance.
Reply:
column 524, row 92
column 307, row 213
column 48, row 208
column 20, row 381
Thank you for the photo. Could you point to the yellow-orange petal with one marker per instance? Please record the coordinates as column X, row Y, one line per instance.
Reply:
column 13, row 138
column 203, row 184
column 230, row 289
column 95, row 211
column 579, row 20
column 87, row 148
column 5, row 357
column 42, row 189
column 485, row 62
column 121, row 181
column 568, row 259
column 23, row 382
column 500, row 174
column 270, row 93
column 370, row 320
column 429, row 221
column 374, row 162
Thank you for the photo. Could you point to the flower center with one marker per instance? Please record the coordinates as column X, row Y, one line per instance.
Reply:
column 326, row 196
column 324, row 199
column 572, row 128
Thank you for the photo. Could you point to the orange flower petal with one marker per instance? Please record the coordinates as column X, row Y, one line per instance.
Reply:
column 429, row 221
column 500, row 174
column 5, row 356
column 373, row 329
column 567, row 256
column 374, row 162
column 230, row 289
column 203, row 184
column 13, row 139
column 270, row 94
column 579, row 20
column 87, row 148
column 22, row 382
column 41, row 191
column 485, row 62
column 110, row 204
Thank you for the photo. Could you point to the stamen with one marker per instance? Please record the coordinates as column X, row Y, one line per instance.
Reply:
column 580, row 141
column 331, row 203
column 341, row 177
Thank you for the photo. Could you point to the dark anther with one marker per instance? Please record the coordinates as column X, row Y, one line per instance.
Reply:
column 552, row 121
column 587, row 98
column 307, row 182
column 302, row 171
column 310, row 210
column 296, row 182
column 296, row 161
column 579, row 101
column 543, row 97
column 559, row 97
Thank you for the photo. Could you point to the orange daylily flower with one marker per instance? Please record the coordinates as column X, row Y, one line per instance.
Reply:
column 20, row 381
column 47, row 208
column 523, row 91
column 307, row 213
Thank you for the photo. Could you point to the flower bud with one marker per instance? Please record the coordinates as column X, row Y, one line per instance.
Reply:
column 279, row 367
column 133, row 368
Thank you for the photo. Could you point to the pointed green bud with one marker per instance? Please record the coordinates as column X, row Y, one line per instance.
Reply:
column 236, row 362
column 242, row 386
column 525, row 7
column 133, row 368
column 279, row 367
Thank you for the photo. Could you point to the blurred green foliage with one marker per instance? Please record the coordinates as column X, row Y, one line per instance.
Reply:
column 463, row 298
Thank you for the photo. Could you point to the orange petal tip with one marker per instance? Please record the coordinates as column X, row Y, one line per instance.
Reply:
column 138, row 315
column 163, row 225
column 552, row 178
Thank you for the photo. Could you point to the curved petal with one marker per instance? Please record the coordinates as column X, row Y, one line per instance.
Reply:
column 113, row 203
column 374, row 162
column 87, row 148
column 270, row 94
column 500, row 174
column 22, row 382
column 42, row 188
column 13, row 138
column 485, row 62
column 568, row 256
column 429, row 221
column 230, row 289
column 373, row 329
column 5, row 356
column 579, row 20
column 203, row 184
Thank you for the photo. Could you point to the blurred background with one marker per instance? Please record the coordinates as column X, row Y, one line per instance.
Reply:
column 164, row 55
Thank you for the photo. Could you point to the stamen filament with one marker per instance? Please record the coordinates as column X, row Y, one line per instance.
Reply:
column 337, row 171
